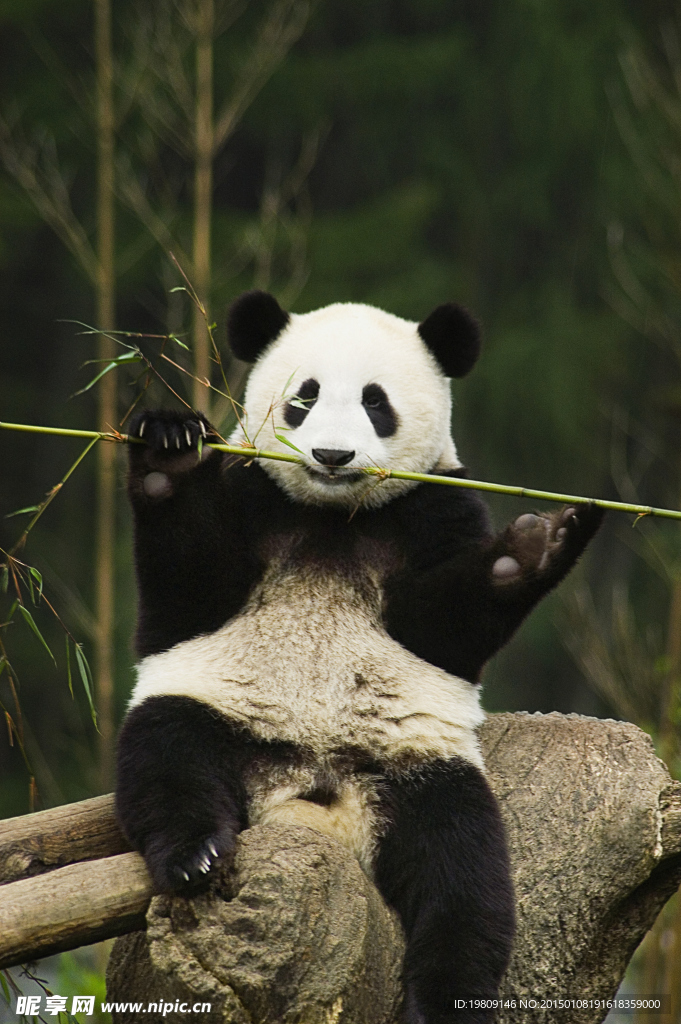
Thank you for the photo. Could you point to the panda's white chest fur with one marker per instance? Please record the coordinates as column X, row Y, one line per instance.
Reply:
column 308, row 661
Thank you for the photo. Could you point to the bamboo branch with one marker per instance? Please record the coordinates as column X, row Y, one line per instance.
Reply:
column 107, row 393
column 384, row 474
column 48, row 192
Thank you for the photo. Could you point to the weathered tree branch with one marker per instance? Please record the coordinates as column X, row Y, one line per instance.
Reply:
column 74, row 906
column 36, row 843
column 294, row 930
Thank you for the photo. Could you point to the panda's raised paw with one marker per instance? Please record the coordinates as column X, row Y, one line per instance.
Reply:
column 169, row 433
column 172, row 445
column 543, row 542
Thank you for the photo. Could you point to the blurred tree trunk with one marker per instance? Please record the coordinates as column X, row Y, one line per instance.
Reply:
column 203, row 194
column 106, row 466
column 661, row 952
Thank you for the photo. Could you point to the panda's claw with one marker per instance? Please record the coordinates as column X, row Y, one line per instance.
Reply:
column 190, row 869
column 169, row 437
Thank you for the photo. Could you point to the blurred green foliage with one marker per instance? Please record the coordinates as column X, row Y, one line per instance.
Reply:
column 468, row 151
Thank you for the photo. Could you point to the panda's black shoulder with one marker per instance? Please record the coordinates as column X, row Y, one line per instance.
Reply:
column 436, row 521
column 255, row 496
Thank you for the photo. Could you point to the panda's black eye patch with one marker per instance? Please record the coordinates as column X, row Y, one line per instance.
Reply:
column 379, row 410
column 297, row 408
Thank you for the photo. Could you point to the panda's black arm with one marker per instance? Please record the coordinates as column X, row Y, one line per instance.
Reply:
column 193, row 564
column 463, row 591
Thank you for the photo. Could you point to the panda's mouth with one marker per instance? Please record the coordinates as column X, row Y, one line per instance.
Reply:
column 334, row 477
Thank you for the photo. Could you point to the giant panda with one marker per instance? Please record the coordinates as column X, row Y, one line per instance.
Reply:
column 311, row 638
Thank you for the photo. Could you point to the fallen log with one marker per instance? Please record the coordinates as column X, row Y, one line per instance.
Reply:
column 294, row 930
column 35, row 843
column 67, row 879
column 72, row 906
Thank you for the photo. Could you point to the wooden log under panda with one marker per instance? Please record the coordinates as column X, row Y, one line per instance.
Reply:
column 36, row 843
column 294, row 930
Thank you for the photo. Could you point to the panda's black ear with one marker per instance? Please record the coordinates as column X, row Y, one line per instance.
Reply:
column 253, row 321
column 454, row 337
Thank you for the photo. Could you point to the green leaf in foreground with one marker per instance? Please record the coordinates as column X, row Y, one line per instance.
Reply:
column 68, row 667
column 31, row 621
column 284, row 441
column 128, row 357
column 86, row 676
column 22, row 511
column 38, row 578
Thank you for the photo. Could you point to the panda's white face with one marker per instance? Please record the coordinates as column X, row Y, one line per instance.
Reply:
column 350, row 386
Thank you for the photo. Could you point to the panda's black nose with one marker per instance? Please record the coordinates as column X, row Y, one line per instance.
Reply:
column 332, row 456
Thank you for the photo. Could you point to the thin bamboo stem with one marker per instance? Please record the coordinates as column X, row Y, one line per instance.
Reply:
column 384, row 474
column 106, row 468
column 203, row 195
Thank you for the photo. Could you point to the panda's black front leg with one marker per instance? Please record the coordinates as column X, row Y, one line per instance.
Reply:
column 442, row 864
column 184, row 529
column 180, row 797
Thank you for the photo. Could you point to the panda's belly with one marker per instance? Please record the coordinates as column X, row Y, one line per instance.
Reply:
column 308, row 661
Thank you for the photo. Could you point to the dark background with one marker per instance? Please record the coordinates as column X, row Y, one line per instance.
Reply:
column 494, row 153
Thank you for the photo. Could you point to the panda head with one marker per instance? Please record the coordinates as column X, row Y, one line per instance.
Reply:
column 349, row 386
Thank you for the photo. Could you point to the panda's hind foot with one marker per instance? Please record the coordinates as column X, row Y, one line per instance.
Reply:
column 187, row 867
column 539, row 544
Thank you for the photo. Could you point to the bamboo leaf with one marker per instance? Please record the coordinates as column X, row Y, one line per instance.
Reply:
column 283, row 440
column 68, row 667
column 39, row 579
column 21, row 511
column 4, row 576
column 179, row 288
column 86, row 676
column 286, row 385
column 3, row 665
column 5, row 987
column 31, row 621
column 174, row 337
column 128, row 357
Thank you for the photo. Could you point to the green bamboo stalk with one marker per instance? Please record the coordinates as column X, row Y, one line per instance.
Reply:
column 384, row 474
column 106, row 390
